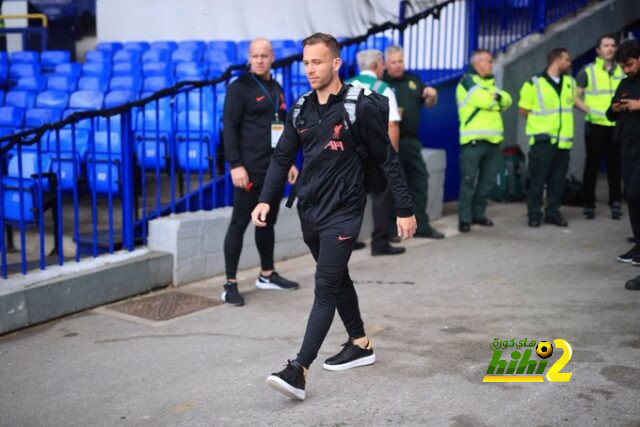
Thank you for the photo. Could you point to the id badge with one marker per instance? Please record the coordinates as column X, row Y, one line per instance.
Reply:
column 276, row 132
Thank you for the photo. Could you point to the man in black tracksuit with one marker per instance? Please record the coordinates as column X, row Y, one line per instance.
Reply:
column 625, row 111
column 253, row 105
column 332, row 199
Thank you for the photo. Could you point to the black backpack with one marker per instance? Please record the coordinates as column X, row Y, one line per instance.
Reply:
column 375, row 180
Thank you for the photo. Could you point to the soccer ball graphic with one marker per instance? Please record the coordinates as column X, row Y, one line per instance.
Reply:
column 544, row 349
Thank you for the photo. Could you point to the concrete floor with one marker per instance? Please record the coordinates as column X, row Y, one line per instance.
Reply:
column 431, row 318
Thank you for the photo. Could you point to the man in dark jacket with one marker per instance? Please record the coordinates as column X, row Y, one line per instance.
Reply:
column 331, row 203
column 625, row 111
column 254, row 111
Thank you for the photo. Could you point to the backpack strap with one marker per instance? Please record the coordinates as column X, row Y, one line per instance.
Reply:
column 298, row 107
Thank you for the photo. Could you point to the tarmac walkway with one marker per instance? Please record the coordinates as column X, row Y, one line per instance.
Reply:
column 432, row 315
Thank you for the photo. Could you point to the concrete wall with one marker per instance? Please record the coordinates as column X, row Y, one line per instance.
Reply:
column 529, row 57
column 196, row 239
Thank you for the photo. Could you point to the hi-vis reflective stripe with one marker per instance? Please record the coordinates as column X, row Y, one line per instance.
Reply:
column 551, row 112
column 465, row 101
column 594, row 85
column 543, row 110
column 597, row 113
column 559, row 138
column 481, row 132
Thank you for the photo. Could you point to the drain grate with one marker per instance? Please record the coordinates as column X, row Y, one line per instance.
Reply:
column 165, row 306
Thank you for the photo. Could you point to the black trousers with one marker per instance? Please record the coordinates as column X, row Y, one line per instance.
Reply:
column 631, row 174
column 599, row 140
column 331, row 247
column 243, row 204
column 383, row 210
column 548, row 166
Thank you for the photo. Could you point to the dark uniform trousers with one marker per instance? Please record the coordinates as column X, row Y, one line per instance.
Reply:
column 243, row 204
column 415, row 171
column 598, row 140
column 631, row 175
column 479, row 164
column 548, row 165
column 331, row 247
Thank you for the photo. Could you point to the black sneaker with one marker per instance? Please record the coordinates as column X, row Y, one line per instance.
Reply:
column 628, row 257
column 616, row 210
column 589, row 213
column 351, row 356
column 275, row 281
column 231, row 295
column 290, row 381
column 635, row 261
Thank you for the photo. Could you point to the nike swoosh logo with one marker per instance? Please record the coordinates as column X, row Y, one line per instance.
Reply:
column 260, row 98
column 341, row 237
column 303, row 130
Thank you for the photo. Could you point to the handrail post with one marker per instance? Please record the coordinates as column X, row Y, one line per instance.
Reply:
column 472, row 27
column 402, row 14
column 128, row 183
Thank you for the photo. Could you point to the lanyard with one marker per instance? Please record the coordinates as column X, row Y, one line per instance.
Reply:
column 274, row 102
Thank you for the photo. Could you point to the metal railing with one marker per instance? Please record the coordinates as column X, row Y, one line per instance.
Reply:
column 101, row 176
column 42, row 31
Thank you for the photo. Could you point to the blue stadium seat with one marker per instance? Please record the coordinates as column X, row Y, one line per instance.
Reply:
column 193, row 103
column 153, row 135
column 118, row 97
column 53, row 99
column 33, row 84
column 63, row 83
column 86, row 100
column 190, row 71
column 11, row 117
column 50, row 58
column 98, row 56
column 242, row 51
column 284, row 43
column 110, row 46
column 157, row 69
column 69, row 166
column 164, row 45
column 69, row 69
column 20, row 98
column 227, row 46
column 25, row 56
column 101, row 69
column 157, row 55
column 65, row 140
column 192, row 45
column 151, row 121
column 127, row 55
column 126, row 68
column 32, row 188
column 141, row 46
column 156, row 83
column 81, row 124
column 217, row 56
column 194, row 145
column 4, row 58
column 95, row 83
column 216, row 69
column 186, row 55
column 4, row 73
column 130, row 83
column 24, row 69
column 36, row 117
column 107, row 159
column 1, row 97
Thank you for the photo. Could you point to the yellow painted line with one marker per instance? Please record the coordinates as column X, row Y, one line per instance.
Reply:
column 41, row 16
column 512, row 379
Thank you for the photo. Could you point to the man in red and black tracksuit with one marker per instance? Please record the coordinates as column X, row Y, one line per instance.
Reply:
column 332, row 198
column 625, row 111
column 253, row 106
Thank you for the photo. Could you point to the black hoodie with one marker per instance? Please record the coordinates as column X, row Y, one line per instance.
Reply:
column 248, row 114
column 627, row 129
column 331, row 185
